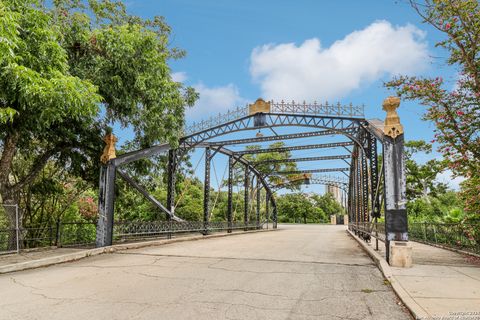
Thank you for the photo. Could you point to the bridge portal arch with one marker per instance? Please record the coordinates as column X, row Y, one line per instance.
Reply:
column 372, row 187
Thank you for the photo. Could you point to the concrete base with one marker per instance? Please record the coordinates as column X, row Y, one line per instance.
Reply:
column 400, row 254
column 333, row 219
column 345, row 220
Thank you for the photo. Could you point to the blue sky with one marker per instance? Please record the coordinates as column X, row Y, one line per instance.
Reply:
column 341, row 50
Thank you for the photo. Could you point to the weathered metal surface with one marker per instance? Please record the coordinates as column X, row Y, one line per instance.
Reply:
column 246, row 191
column 206, row 189
column 274, row 138
column 395, row 189
column 294, row 148
column 106, row 201
column 140, row 154
column 230, row 193
column 309, row 171
column 335, row 157
column 259, row 194
column 171, row 171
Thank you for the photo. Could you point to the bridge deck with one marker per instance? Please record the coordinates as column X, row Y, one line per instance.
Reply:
column 297, row 272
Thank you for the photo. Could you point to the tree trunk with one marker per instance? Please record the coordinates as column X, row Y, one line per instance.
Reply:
column 7, row 196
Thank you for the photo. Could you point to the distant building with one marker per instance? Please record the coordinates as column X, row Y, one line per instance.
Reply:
column 335, row 192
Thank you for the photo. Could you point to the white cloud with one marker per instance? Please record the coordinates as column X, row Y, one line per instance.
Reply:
column 447, row 177
column 179, row 76
column 310, row 72
column 214, row 100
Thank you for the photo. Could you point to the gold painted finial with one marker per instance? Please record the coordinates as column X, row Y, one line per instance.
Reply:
column 109, row 150
column 392, row 128
column 259, row 106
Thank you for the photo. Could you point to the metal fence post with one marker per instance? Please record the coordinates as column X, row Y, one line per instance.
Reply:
column 58, row 242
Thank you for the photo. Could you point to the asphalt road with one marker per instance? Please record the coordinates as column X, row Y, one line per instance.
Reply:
column 297, row 272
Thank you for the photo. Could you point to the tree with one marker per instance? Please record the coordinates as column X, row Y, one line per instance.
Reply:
column 60, row 66
column 40, row 101
column 328, row 204
column 267, row 168
column 455, row 112
column 421, row 179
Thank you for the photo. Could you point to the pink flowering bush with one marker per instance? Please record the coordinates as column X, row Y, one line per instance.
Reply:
column 455, row 112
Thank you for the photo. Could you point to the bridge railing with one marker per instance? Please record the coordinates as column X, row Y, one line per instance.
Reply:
column 369, row 230
column 141, row 230
column 462, row 236
column 82, row 234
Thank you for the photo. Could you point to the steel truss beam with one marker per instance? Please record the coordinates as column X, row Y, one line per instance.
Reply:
column 317, row 179
column 340, row 125
column 337, row 157
column 316, row 109
column 279, row 137
column 294, row 148
column 309, row 171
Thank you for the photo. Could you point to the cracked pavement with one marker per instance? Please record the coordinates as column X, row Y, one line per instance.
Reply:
column 297, row 272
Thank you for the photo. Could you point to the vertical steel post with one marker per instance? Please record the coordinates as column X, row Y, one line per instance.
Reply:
column 246, row 198
column 375, row 194
column 171, row 172
column 365, row 189
column 267, row 207
column 230, row 194
column 258, row 202
column 206, row 191
column 274, row 218
column 396, row 225
column 106, row 202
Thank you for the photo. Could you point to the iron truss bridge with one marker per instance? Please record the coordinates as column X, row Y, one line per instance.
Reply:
column 371, row 181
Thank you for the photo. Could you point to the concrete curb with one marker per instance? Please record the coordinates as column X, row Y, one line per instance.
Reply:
column 110, row 249
column 417, row 311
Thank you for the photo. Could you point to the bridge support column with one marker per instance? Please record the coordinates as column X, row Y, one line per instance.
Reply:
column 171, row 171
column 106, row 202
column 396, row 223
column 258, row 203
column 246, row 198
column 206, row 191
column 274, row 218
column 267, row 207
column 230, row 194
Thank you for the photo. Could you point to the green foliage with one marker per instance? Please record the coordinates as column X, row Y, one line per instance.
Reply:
column 453, row 110
column 421, row 179
column 126, row 57
column 59, row 65
column 445, row 207
column 304, row 208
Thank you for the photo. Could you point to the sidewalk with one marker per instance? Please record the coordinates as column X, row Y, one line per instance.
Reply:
column 441, row 284
column 25, row 256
